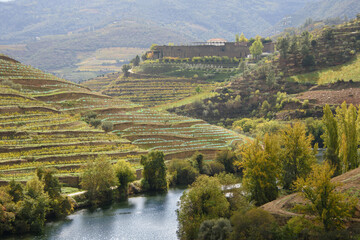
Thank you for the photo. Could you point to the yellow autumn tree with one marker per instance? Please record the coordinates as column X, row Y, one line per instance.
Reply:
column 297, row 155
column 261, row 168
column 331, row 207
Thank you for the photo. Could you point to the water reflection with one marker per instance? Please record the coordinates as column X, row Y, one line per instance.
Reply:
column 144, row 217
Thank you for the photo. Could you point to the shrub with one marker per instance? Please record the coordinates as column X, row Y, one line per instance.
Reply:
column 213, row 168
column 87, row 117
column 95, row 122
column 227, row 159
column 125, row 174
column 182, row 172
column 107, row 126
column 308, row 61
column 305, row 104
column 215, row 229
column 254, row 224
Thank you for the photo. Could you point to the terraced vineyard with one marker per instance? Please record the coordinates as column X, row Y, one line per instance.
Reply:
column 40, row 125
column 100, row 83
column 176, row 136
column 147, row 90
column 43, row 137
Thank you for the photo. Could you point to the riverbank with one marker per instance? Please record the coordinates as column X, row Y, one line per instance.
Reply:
column 143, row 216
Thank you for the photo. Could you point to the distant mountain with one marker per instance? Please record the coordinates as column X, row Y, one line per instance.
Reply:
column 202, row 19
column 324, row 9
column 57, row 35
column 327, row 11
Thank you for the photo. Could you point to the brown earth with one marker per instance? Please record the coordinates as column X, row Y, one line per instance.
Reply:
column 332, row 97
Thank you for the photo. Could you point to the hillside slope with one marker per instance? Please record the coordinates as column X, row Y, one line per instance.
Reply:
column 39, row 18
column 350, row 183
column 41, row 125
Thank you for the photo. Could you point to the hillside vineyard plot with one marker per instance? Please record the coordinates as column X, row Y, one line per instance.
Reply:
column 41, row 124
column 154, row 91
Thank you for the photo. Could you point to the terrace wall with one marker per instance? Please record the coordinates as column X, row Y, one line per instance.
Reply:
column 231, row 50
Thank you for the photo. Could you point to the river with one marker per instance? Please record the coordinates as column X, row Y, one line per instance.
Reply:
column 143, row 217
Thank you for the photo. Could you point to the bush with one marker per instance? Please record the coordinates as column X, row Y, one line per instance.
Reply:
column 87, row 117
column 308, row 61
column 227, row 158
column 95, row 122
column 215, row 229
column 107, row 126
column 182, row 172
column 213, row 168
column 125, row 174
column 254, row 224
column 204, row 201
column 305, row 104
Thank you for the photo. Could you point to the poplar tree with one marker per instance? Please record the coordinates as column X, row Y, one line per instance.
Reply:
column 256, row 48
column 347, row 130
column 331, row 140
column 297, row 155
column 237, row 38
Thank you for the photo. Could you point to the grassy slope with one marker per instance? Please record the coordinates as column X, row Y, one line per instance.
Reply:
column 348, row 71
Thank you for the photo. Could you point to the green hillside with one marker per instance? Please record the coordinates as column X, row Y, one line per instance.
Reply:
column 346, row 72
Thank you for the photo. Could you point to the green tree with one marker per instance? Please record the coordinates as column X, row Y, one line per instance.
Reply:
column 237, row 38
column 256, row 48
column 283, row 44
column 125, row 174
column 347, row 123
column 154, row 171
column 198, row 161
column 332, row 208
column 182, row 172
column 331, row 140
column 227, row 158
column 34, row 207
column 136, row 61
column 305, row 43
column 60, row 206
column 97, row 177
column 16, row 191
column 107, row 126
column 215, row 229
column 126, row 70
column 260, row 163
column 308, row 61
column 51, row 183
column 254, row 224
column 242, row 66
column 297, row 155
column 203, row 201
column 7, row 211
column 293, row 44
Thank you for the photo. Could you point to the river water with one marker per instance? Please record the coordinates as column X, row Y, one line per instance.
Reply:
column 143, row 217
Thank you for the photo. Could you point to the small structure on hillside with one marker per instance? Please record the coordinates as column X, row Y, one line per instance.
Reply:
column 213, row 47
